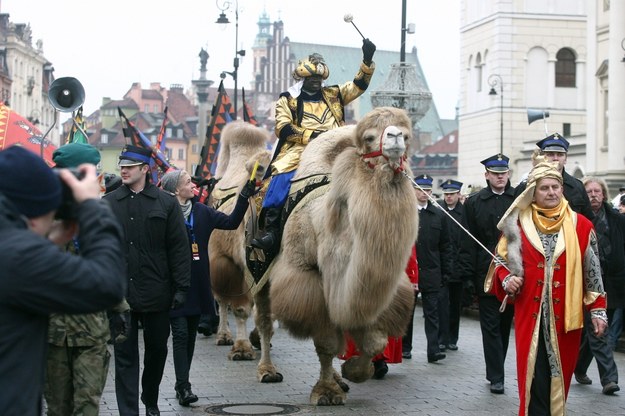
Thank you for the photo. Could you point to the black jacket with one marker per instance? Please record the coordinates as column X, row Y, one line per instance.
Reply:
column 483, row 210
column 456, row 234
column 613, row 257
column 574, row 192
column 434, row 249
column 157, row 248
column 36, row 279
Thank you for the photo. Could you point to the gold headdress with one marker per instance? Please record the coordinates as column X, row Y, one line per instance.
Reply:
column 314, row 65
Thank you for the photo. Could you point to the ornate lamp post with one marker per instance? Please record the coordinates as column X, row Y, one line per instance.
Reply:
column 225, row 5
column 493, row 81
column 403, row 88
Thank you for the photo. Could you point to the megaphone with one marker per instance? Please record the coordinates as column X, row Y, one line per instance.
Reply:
column 533, row 115
column 66, row 94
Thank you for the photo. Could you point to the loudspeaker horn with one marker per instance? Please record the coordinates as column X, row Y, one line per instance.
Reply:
column 533, row 115
column 66, row 94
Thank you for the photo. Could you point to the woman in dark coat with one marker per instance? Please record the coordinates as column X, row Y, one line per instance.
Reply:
column 200, row 220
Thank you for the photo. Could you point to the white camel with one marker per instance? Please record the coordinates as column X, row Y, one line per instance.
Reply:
column 345, row 247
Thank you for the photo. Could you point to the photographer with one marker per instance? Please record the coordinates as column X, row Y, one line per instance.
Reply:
column 37, row 278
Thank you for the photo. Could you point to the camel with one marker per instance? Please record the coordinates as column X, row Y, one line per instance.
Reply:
column 341, row 265
column 241, row 145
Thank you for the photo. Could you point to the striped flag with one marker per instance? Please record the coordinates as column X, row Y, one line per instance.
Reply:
column 220, row 116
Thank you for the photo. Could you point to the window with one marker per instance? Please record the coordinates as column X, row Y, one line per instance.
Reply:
column 168, row 132
column 155, row 108
column 478, row 72
column 565, row 68
column 104, row 138
column 168, row 153
column 179, row 133
column 180, row 154
column 566, row 129
column 146, row 108
column 194, row 149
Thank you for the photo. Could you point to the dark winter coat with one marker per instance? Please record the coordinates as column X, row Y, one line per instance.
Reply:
column 482, row 210
column 156, row 246
column 434, row 249
column 205, row 220
column 613, row 259
column 455, row 238
column 36, row 279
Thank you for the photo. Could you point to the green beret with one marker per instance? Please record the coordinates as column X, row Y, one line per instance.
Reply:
column 73, row 154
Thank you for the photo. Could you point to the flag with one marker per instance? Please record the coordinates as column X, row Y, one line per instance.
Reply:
column 160, row 140
column 138, row 139
column 220, row 116
column 77, row 133
column 248, row 114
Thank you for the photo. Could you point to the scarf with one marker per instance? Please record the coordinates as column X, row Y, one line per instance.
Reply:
column 554, row 220
column 186, row 209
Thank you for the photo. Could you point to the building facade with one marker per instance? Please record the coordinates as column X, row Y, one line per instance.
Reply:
column 533, row 53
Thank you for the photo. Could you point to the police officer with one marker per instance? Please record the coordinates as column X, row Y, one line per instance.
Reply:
column 483, row 210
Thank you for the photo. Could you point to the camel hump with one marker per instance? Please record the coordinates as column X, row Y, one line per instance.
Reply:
column 320, row 154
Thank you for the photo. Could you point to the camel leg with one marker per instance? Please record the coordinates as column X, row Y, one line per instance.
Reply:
column 224, row 336
column 328, row 391
column 266, row 372
column 370, row 343
column 242, row 349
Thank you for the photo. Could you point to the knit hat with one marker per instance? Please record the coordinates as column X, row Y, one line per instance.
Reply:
column 169, row 181
column 28, row 182
column 72, row 155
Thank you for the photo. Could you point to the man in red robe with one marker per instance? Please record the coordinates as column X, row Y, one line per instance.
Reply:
column 547, row 264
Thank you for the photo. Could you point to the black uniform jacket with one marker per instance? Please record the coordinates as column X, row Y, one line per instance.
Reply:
column 483, row 210
column 434, row 249
column 156, row 244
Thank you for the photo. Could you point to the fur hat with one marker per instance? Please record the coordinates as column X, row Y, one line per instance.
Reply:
column 72, row 155
column 28, row 182
column 314, row 65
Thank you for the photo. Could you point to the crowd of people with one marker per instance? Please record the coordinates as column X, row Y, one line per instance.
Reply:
column 547, row 256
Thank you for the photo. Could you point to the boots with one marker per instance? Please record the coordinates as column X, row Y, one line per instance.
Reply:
column 271, row 238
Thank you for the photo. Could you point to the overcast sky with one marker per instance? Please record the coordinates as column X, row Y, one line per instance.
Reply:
column 110, row 44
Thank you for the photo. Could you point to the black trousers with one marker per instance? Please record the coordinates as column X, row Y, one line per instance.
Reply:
column 455, row 309
column 443, row 316
column 430, row 324
column 540, row 400
column 597, row 347
column 495, row 328
column 183, row 334
column 155, row 336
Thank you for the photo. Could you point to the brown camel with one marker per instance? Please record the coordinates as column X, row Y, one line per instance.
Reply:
column 241, row 145
column 344, row 251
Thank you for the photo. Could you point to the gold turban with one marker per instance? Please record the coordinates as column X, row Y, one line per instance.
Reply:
column 314, row 65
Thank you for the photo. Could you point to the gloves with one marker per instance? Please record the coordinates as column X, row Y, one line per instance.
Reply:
column 119, row 325
column 179, row 299
column 368, row 49
column 248, row 190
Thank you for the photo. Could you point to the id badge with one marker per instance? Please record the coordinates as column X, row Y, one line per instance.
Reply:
column 195, row 251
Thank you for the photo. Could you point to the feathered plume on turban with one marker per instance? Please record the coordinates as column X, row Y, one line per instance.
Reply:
column 314, row 65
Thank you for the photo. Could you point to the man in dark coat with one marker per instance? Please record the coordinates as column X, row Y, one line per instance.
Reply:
column 434, row 263
column 159, row 267
column 555, row 148
column 483, row 210
column 450, row 295
column 610, row 231
column 38, row 278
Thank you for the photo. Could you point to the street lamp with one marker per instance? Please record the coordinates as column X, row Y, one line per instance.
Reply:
column 223, row 20
column 495, row 80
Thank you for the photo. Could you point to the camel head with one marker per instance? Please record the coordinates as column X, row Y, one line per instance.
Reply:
column 383, row 137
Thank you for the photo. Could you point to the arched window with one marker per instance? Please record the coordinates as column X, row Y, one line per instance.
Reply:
column 565, row 68
column 478, row 72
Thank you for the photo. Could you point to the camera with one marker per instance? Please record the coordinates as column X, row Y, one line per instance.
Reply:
column 67, row 209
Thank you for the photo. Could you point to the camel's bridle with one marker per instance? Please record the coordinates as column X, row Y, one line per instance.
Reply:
column 367, row 156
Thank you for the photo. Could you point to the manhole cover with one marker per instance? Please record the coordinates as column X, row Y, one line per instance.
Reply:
column 252, row 409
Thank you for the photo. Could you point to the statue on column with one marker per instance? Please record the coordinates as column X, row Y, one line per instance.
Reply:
column 203, row 59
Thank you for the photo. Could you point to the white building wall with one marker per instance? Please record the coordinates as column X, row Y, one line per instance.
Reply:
column 520, row 39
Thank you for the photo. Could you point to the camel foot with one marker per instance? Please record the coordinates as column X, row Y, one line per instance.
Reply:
column 267, row 373
column 272, row 378
column 327, row 394
column 343, row 385
column 224, row 338
column 242, row 351
column 354, row 370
